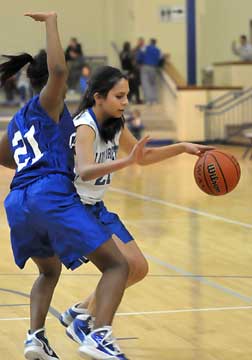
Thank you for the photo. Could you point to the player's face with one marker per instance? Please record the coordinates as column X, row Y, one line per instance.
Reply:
column 117, row 99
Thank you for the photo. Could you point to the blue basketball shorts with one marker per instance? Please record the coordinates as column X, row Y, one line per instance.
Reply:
column 47, row 218
column 109, row 222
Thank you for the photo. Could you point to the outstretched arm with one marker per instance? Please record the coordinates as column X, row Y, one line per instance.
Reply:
column 52, row 96
column 154, row 155
column 6, row 157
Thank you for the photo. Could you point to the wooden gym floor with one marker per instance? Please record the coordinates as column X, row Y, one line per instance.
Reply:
column 196, row 302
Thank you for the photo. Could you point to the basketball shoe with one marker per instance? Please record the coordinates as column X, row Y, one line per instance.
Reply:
column 37, row 347
column 70, row 314
column 101, row 345
column 80, row 327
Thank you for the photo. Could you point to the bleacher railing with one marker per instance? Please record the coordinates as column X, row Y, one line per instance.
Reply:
column 228, row 115
column 95, row 61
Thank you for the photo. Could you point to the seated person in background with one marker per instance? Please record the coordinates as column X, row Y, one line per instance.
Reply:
column 244, row 51
column 23, row 86
column 85, row 74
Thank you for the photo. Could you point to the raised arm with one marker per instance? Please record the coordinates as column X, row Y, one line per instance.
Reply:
column 52, row 95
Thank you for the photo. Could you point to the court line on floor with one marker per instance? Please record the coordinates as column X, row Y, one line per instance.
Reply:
column 199, row 279
column 10, row 305
column 162, row 263
column 176, row 311
column 52, row 310
column 174, row 268
column 19, row 319
column 179, row 207
column 56, row 313
column 15, row 319
column 181, row 276
column 158, row 312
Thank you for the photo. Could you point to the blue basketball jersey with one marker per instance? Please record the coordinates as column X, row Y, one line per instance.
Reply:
column 40, row 146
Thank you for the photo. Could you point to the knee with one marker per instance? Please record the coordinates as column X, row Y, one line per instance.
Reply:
column 138, row 269
column 52, row 273
column 117, row 263
column 123, row 265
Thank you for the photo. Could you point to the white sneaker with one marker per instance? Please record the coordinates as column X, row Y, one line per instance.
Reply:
column 70, row 314
column 101, row 345
column 80, row 328
column 38, row 348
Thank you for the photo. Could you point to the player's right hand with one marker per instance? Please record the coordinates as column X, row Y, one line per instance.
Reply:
column 137, row 153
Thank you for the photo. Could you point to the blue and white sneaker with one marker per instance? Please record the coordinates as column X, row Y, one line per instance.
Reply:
column 80, row 328
column 70, row 314
column 38, row 348
column 101, row 345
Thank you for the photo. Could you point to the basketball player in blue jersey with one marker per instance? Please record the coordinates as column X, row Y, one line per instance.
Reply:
column 48, row 222
column 100, row 132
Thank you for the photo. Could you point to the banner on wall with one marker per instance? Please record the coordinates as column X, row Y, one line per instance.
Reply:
column 171, row 13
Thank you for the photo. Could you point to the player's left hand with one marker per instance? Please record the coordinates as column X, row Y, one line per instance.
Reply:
column 196, row 149
column 41, row 16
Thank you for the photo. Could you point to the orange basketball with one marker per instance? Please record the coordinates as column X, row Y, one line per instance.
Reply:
column 217, row 173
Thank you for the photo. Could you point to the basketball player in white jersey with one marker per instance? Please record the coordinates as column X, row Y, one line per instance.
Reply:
column 100, row 131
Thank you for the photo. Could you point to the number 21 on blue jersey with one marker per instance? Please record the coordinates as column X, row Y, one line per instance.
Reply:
column 21, row 155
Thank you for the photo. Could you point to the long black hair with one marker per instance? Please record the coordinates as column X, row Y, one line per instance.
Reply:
column 101, row 82
column 37, row 71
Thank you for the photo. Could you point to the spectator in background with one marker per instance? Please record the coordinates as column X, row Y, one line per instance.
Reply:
column 10, row 89
column 85, row 74
column 74, row 46
column 136, row 50
column 139, row 47
column 75, row 67
column 126, row 57
column 75, row 61
column 244, row 51
column 129, row 66
column 150, row 59
column 23, row 86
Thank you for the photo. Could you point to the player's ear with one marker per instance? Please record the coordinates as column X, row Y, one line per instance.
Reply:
column 98, row 98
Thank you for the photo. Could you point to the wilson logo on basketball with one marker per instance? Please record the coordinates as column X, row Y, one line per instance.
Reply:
column 213, row 176
column 216, row 172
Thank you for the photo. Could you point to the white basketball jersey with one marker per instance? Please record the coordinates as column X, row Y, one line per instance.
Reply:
column 93, row 191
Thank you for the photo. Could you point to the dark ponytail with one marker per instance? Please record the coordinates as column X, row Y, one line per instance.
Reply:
column 13, row 65
column 101, row 82
column 37, row 71
column 86, row 102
